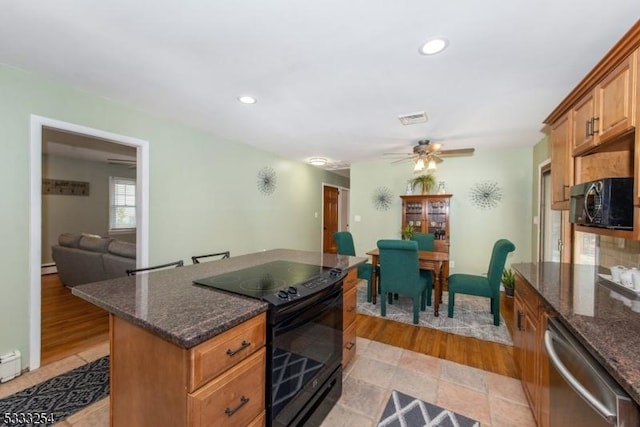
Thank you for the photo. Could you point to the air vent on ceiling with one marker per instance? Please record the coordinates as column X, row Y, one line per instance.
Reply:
column 413, row 118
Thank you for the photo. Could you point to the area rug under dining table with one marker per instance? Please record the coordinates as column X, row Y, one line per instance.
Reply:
column 471, row 317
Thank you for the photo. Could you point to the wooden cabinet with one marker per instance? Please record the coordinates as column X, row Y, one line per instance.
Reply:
column 596, row 124
column 221, row 381
column 428, row 214
column 608, row 110
column 349, row 305
column 530, row 324
column 561, row 163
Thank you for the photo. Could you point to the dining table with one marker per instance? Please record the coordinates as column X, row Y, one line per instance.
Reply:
column 427, row 260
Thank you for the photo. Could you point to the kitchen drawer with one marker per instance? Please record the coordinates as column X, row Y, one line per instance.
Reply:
column 259, row 421
column 213, row 357
column 348, row 344
column 235, row 398
column 350, row 280
column 349, row 304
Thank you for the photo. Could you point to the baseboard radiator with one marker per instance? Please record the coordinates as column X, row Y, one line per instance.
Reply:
column 9, row 366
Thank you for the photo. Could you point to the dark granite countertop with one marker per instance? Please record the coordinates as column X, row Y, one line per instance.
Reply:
column 604, row 317
column 169, row 305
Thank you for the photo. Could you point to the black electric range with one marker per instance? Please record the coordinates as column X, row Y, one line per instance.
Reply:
column 304, row 336
column 277, row 282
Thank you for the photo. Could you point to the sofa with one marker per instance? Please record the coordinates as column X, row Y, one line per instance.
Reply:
column 84, row 258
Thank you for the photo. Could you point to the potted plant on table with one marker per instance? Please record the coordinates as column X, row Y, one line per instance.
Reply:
column 407, row 232
column 427, row 182
column 509, row 281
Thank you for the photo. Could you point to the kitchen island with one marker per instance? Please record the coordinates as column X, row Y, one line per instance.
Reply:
column 180, row 352
column 603, row 317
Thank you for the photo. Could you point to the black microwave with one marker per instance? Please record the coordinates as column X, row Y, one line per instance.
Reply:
column 606, row 203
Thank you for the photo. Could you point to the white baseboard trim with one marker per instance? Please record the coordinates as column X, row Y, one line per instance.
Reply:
column 48, row 269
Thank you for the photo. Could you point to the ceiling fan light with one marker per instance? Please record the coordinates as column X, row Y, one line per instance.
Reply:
column 419, row 165
column 432, row 165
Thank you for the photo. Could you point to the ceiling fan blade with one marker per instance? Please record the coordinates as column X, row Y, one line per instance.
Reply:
column 433, row 147
column 408, row 159
column 458, row 152
column 397, row 154
column 435, row 158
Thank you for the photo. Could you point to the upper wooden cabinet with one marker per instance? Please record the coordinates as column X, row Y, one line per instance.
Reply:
column 608, row 110
column 593, row 130
column 561, row 163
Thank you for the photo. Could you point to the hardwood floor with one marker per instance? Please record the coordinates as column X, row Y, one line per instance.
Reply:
column 69, row 324
column 468, row 351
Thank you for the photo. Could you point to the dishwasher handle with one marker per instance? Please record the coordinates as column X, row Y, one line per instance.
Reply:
column 605, row 412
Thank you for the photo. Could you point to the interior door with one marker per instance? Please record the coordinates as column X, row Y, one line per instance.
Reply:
column 554, row 227
column 329, row 218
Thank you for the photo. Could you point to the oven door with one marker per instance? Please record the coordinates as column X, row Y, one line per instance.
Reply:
column 305, row 353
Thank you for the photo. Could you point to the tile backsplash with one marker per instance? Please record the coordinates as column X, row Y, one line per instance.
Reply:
column 617, row 251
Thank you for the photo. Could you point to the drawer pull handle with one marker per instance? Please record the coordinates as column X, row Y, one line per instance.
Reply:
column 349, row 345
column 243, row 401
column 243, row 345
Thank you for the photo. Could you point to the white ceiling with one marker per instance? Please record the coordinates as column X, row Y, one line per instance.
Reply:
column 330, row 76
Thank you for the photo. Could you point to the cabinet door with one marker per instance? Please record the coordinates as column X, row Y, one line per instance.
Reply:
column 561, row 163
column 518, row 332
column 530, row 352
column 615, row 99
column 582, row 118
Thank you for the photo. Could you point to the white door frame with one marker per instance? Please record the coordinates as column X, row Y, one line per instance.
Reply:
column 35, row 213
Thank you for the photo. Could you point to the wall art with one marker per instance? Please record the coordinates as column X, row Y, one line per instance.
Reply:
column 485, row 195
column 382, row 197
column 267, row 180
column 64, row 187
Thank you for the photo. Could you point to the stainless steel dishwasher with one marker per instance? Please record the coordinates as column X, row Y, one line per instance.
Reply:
column 581, row 392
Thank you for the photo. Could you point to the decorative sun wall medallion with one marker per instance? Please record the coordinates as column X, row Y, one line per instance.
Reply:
column 382, row 197
column 267, row 180
column 485, row 195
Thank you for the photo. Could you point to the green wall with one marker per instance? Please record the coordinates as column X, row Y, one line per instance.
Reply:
column 473, row 231
column 202, row 191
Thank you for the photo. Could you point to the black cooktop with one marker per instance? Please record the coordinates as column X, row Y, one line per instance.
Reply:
column 277, row 282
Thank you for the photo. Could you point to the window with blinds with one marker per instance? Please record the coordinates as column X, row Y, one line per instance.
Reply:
column 122, row 204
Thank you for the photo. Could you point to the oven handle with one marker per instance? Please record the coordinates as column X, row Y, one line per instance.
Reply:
column 306, row 316
column 586, row 193
column 549, row 336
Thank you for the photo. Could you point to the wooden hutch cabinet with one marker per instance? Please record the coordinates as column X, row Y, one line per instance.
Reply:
column 429, row 214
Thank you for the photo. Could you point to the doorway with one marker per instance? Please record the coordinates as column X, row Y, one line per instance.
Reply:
column 335, row 215
column 37, row 125
column 554, row 232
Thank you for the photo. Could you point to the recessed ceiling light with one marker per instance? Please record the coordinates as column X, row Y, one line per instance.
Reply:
column 433, row 46
column 245, row 99
column 318, row 161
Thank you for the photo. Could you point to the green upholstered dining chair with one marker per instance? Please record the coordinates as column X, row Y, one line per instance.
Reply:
column 344, row 241
column 483, row 286
column 400, row 273
column 426, row 242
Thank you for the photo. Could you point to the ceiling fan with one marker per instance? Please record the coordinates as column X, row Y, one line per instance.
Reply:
column 428, row 154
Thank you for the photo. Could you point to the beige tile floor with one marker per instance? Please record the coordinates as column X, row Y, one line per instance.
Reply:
column 492, row 399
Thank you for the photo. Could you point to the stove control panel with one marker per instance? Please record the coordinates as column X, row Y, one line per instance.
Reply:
column 311, row 286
